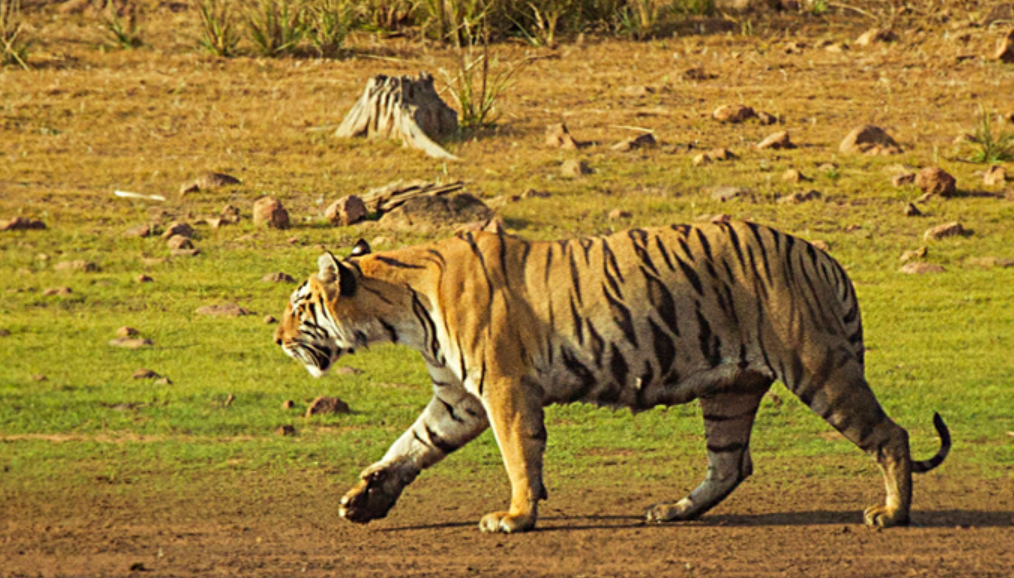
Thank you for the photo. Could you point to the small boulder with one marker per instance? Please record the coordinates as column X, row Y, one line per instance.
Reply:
column 177, row 228
column 52, row 291
column 558, row 137
column 913, row 254
column 870, row 140
column 278, row 277
column 268, row 211
column 346, row 211
column 995, row 175
column 636, row 142
column 821, row 244
column 326, row 405
column 21, row 224
column 721, row 154
column 936, row 181
column 767, row 119
column 903, row 179
column 179, row 242
column 733, row 113
column 793, row 176
column 911, row 210
column 575, row 168
column 920, row 268
column 701, row 160
column 130, row 342
column 796, row 198
column 619, row 214
column 875, row 35
column 943, row 231
column 126, row 331
column 140, row 231
column 229, row 214
column 270, row 320
column 214, row 222
column 285, row 430
column 1005, row 49
column 779, row 140
column 208, row 181
column 723, row 193
column 142, row 278
column 145, row 373
column 288, row 404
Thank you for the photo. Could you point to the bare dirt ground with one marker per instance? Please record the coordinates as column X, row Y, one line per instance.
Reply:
column 802, row 528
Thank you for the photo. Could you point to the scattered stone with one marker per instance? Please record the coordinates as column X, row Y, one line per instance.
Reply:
column 285, row 430
column 821, row 244
column 130, row 342
column 721, row 154
column 185, row 252
column 619, row 214
column 179, row 242
column 911, row 210
column 920, row 268
column 723, row 193
column 39, row 377
column 176, row 228
column 575, row 168
column 208, row 181
column 278, row 277
column 827, row 167
column 214, row 222
column 936, row 181
column 767, row 119
column 229, row 400
column 990, row 262
column 645, row 140
column 429, row 214
column 733, row 113
column 1005, row 50
column 163, row 381
column 20, row 224
column 140, row 231
column 852, row 228
column 346, row 211
column 77, row 266
column 638, row 90
column 996, row 175
column 796, row 198
column 126, row 331
column 558, row 137
column 870, row 140
column 902, row 179
column 875, row 35
column 224, row 310
column 145, row 373
column 268, row 211
column 945, row 230
column 777, row 141
column 698, row 73
column 325, row 405
column 292, row 240
column 914, row 254
column 794, row 176
column 288, row 404
column 230, row 214
column 57, row 291
column 702, row 159
column 533, row 194
column 346, row 370
column 270, row 320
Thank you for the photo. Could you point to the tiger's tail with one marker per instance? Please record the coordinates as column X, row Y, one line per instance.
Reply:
column 945, row 447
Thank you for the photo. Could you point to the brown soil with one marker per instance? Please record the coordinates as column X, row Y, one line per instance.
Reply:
column 808, row 527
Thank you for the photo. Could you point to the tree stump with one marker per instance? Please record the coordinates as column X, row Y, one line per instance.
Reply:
column 405, row 108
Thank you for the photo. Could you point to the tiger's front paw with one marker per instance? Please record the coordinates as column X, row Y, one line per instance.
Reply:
column 670, row 512
column 372, row 497
column 507, row 523
column 883, row 517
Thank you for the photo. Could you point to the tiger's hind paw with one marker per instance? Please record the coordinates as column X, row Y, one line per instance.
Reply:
column 883, row 517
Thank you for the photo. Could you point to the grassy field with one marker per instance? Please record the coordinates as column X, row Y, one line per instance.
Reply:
column 85, row 121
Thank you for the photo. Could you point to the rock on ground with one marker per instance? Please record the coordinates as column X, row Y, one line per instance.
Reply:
column 326, row 405
column 733, row 113
column 208, row 181
column 434, row 213
column 20, row 224
column 346, row 211
column 1005, row 50
column 942, row 231
column 268, row 211
column 278, row 277
column 777, row 141
column 875, row 35
column 645, row 140
column 869, row 139
column 179, row 242
column 575, row 168
column 77, row 266
column 796, row 198
column 994, row 176
column 229, row 214
column 936, row 181
column 558, row 137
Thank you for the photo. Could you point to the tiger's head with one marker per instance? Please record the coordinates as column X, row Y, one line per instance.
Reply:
column 320, row 322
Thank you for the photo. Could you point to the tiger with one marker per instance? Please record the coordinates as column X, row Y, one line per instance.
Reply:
column 711, row 312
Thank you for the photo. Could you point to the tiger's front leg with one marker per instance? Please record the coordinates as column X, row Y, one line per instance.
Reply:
column 518, row 422
column 453, row 418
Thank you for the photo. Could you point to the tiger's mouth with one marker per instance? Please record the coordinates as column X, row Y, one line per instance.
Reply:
column 317, row 360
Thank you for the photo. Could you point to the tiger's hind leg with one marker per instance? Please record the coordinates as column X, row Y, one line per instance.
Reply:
column 844, row 399
column 728, row 419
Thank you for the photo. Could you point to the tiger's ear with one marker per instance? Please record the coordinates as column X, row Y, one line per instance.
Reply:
column 332, row 270
column 361, row 248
